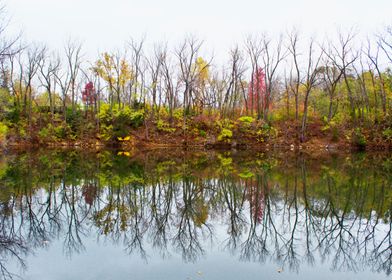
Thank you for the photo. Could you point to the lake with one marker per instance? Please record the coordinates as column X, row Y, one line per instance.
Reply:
column 171, row 214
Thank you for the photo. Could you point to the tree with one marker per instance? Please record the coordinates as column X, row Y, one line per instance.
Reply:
column 89, row 96
column 311, row 74
column 117, row 73
column 257, row 88
column 49, row 66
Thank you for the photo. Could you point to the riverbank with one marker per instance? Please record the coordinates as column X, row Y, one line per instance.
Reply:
column 238, row 136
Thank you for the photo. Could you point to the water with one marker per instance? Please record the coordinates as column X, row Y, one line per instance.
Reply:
column 195, row 215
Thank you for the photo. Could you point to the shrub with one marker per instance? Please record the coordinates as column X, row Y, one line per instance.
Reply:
column 3, row 131
column 245, row 123
column 119, row 121
column 203, row 122
column 62, row 131
column 335, row 133
column 265, row 132
column 164, row 126
column 225, row 135
column 387, row 134
column 45, row 133
column 359, row 139
column 246, row 120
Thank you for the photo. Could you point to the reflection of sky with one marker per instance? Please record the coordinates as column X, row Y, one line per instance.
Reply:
column 102, row 258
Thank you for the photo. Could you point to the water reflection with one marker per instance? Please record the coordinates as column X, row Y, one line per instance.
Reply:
column 292, row 210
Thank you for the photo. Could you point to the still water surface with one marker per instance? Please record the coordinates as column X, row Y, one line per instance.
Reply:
column 195, row 215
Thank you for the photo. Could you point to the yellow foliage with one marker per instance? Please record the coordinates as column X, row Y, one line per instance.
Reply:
column 113, row 69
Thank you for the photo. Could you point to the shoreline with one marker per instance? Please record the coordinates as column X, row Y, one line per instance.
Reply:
column 310, row 146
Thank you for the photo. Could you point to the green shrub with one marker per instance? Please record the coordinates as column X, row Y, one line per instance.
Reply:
column 359, row 139
column 265, row 132
column 3, row 131
column 335, row 133
column 62, row 131
column 164, row 126
column 247, row 120
column 45, row 133
column 106, row 132
column 387, row 134
column 118, row 121
column 225, row 135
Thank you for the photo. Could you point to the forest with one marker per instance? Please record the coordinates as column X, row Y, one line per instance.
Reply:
column 281, row 90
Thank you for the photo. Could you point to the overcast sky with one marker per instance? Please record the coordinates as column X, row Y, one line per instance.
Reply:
column 106, row 25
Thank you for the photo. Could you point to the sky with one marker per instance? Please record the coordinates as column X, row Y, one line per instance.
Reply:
column 108, row 25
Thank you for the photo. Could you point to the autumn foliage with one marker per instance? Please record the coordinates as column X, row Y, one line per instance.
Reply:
column 88, row 94
column 257, row 90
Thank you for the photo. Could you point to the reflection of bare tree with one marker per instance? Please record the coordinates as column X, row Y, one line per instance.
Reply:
column 161, row 206
column 234, row 197
column 289, row 217
column 11, row 245
column 191, row 220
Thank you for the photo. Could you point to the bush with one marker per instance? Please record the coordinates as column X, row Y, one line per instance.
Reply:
column 359, row 139
column 3, row 131
column 246, row 120
column 265, row 132
column 387, row 134
column 203, row 122
column 164, row 126
column 225, row 135
column 335, row 134
column 45, row 133
column 119, row 121
column 245, row 123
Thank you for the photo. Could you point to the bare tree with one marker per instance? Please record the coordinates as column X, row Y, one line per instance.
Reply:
column 272, row 57
column 342, row 56
column 373, row 56
column 186, row 55
column 170, row 84
column 137, row 56
column 155, row 70
column 254, row 49
column 296, row 81
column 309, row 82
column 74, row 60
column 235, row 89
column 49, row 66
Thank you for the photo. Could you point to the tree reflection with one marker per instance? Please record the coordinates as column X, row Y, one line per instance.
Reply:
column 289, row 211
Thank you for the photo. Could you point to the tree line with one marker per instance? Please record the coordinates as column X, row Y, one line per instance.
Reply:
column 285, row 77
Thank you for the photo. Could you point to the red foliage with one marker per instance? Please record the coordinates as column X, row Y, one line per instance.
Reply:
column 88, row 94
column 257, row 90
